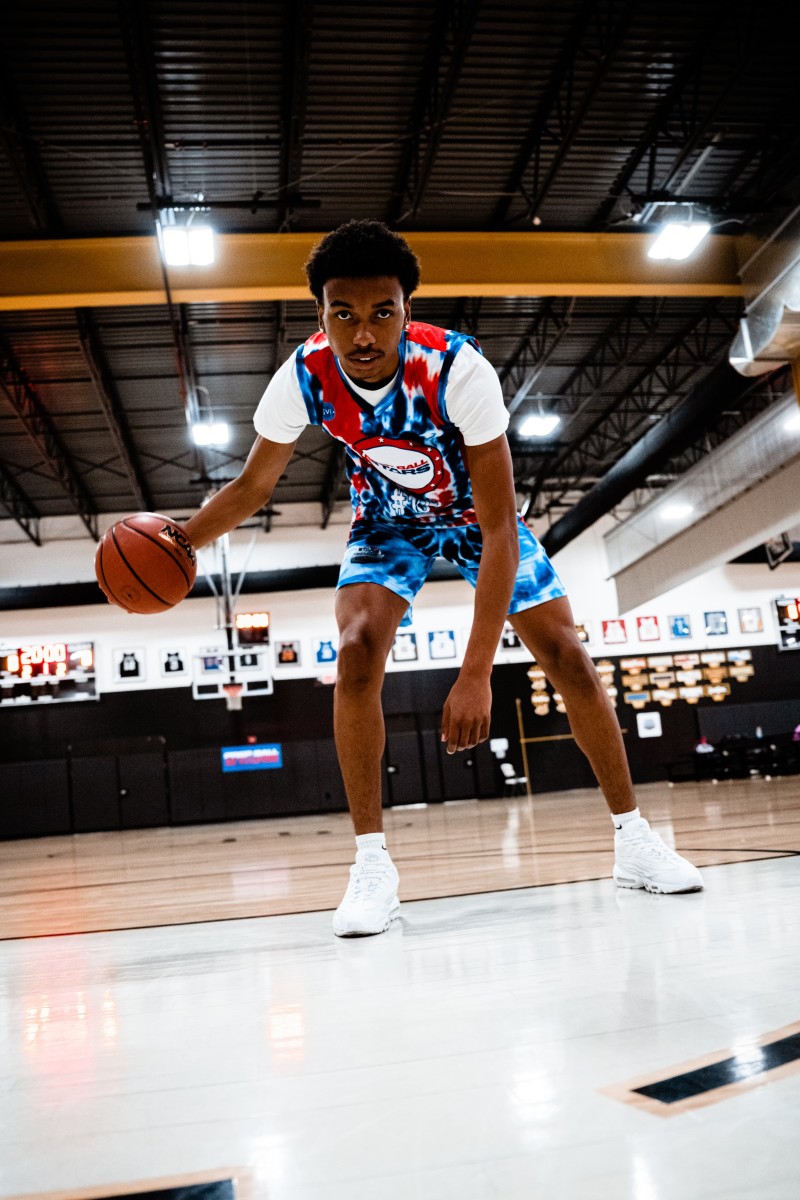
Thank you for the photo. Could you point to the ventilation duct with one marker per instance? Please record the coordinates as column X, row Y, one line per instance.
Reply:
column 769, row 333
column 742, row 493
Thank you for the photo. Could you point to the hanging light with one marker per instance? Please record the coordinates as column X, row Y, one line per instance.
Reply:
column 188, row 245
column 540, row 425
column 679, row 238
column 210, row 433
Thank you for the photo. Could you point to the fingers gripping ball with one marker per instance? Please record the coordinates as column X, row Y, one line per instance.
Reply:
column 145, row 563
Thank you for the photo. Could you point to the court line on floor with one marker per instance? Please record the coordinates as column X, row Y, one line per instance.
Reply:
column 713, row 1077
column 774, row 856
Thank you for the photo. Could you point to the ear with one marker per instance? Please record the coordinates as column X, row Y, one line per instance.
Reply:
column 319, row 317
column 406, row 313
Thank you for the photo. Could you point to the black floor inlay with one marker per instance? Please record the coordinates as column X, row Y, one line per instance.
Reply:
column 756, row 1061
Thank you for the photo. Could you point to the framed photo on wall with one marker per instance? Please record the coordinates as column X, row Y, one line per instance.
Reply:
column 287, row 654
column 716, row 623
column 614, row 632
column 324, row 651
column 129, row 665
column 509, row 639
column 441, row 643
column 174, row 663
column 648, row 629
column 751, row 620
column 404, row 648
column 680, row 626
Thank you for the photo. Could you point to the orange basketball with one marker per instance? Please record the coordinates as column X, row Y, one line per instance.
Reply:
column 145, row 563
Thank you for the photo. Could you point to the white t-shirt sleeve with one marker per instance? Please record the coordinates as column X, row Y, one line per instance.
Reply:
column 281, row 415
column 474, row 398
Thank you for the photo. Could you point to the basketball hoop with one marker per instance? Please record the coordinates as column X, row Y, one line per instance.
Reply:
column 233, row 696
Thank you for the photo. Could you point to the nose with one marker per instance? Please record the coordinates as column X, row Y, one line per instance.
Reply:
column 363, row 337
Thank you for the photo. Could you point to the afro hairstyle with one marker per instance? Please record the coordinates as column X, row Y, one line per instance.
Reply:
column 362, row 250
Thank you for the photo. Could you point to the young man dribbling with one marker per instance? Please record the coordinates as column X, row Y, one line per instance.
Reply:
column 422, row 417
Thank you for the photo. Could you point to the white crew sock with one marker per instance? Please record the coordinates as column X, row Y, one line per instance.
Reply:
column 621, row 820
column 371, row 841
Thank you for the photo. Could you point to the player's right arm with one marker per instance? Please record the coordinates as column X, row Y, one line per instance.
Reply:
column 244, row 495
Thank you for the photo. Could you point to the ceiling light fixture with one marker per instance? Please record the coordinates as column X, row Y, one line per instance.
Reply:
column 206, row 433
column 539, row 425
column 678, row 240
column 188, row 245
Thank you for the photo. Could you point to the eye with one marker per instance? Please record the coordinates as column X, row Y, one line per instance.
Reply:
column 343, row 316
column 384, row 313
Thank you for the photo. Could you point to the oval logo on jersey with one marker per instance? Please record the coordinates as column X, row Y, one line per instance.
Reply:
column 409, row 464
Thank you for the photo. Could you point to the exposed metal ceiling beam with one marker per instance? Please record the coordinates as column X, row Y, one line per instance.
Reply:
column 297, row 25
column 23, row 154
column 655, row 386
column 19, row 505
column 451, row 31
column 140, row 57
column 629, row 413
column 557, row 106
column 689, row 72
column 106, row 391
column 535, row 349
column 111, row 272
column 28, row 406
column 719, row 390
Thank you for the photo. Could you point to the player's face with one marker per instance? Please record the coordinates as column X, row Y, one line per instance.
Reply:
column 364, row 321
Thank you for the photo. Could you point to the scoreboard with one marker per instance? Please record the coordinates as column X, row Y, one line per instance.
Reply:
column 47, row 672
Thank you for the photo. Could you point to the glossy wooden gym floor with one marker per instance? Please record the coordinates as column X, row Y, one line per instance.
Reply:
column 143, row 878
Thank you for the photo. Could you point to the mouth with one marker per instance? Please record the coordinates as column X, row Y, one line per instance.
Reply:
column 368, row 356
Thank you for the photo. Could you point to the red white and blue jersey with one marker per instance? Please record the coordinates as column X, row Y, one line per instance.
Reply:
column 405, row 457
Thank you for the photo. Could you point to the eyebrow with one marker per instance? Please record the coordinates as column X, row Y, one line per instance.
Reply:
column 347, row 304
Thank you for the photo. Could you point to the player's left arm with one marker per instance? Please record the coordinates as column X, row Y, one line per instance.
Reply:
column 467, row 710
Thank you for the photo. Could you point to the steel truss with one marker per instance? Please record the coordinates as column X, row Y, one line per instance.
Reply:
column 30, row 409
column 451, row 30
column 19, row 505
column 597, row 33
column 650, row 394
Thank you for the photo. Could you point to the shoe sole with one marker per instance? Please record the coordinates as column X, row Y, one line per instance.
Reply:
column 393, row 914
column 624, row 881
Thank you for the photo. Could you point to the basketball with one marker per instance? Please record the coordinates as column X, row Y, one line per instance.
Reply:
column 145, row 563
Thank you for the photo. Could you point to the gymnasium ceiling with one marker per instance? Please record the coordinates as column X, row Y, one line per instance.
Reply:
column 517, row 116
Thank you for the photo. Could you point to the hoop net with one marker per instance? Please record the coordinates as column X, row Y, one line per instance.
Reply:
column 233, row 696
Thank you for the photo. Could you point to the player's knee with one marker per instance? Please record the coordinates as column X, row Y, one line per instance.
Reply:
column 361, row 660
column 566, row 663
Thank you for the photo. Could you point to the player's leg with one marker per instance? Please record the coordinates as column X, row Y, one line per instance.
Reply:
column 381, row 573
column 548, row 631
column 368, row 615
column 641, row 858
column 541, row 615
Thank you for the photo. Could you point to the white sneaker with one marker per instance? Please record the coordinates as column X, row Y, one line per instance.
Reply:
column 643, row 860
column 370, row 903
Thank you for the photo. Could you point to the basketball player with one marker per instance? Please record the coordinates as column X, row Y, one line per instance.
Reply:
column 422, row 417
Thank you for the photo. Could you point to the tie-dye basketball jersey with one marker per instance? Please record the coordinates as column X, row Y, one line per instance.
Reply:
column 405, row 458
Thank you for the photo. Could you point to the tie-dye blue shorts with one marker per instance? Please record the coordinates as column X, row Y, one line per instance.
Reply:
column 400, row 558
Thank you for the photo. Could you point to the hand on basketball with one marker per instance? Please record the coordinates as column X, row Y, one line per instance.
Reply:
column 145, row 563
column 467, row 713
